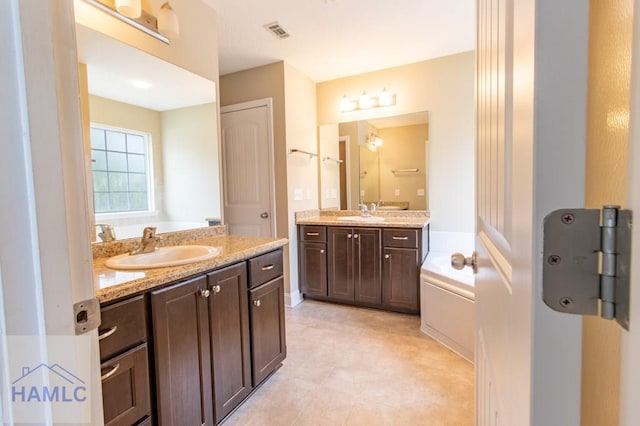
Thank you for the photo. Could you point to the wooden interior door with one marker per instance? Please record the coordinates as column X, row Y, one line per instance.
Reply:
column 247, row 164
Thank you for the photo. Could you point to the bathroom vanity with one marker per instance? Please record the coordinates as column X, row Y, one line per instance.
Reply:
column 188, row 344
column 346, row 258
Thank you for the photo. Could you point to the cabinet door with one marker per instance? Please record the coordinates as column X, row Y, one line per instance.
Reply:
column 229, row 326
column 400, row 282
column 313, row 269
column 182, row 354
column 340, row 263
column 367, row 265
column 268, row 344
column 125, row 387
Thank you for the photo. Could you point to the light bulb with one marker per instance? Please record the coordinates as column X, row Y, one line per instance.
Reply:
column 365, row 101
column 385, row 98
column 129, row 8
column 168, row 22
column 346, row 104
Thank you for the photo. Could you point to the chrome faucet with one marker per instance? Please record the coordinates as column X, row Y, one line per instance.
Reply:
column 148, row 241
column 364, row 210
column 107, row 233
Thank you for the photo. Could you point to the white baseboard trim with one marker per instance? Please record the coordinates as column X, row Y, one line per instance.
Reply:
column 291, row 300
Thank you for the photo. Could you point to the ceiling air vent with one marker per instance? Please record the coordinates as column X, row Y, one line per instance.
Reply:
column 275, row 29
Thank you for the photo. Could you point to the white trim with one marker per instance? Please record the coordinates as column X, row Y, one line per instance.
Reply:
column 268, row 103
column 292, row 299
column 347, row 165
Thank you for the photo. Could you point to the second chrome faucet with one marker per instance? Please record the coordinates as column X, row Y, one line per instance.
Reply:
column 148, row 242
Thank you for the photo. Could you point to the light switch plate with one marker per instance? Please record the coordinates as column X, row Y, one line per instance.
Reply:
column 397, row 192
column 421, row 192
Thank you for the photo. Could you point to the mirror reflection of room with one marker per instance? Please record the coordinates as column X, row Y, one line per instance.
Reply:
column 388, row 163
column 137, row 120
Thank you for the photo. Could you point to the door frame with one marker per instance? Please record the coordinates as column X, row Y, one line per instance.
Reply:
column 347, row 164
column 268, row 103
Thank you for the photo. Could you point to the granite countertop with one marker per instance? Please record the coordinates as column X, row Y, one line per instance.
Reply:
column 114, row 284
column 392, row 219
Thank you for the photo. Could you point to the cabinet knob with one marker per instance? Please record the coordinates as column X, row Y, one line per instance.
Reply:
column 348, row 235
column 216, row 289
column 256, row 303
column 386, row 256
column 355, row 235
column 322, row 251
column 205, row 293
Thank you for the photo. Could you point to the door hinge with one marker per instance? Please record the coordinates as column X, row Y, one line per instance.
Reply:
column 586, row 262
column 86, row 315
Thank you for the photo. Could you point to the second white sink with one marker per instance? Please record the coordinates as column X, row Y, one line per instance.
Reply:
column 164, row 256
column 371, row 219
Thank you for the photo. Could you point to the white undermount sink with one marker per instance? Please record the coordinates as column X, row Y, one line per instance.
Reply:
column 163, row 256
column 370, row 219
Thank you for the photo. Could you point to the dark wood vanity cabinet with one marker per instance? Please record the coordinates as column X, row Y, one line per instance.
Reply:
column 312, row 256
column 182, row 353
column 354, row 266
column 216, row 336
column 376, row 267
column 230, row 348
column 124, row 369
column 404, row 250
column 266, row 301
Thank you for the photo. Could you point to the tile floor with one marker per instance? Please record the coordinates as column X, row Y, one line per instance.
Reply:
column 353, row 366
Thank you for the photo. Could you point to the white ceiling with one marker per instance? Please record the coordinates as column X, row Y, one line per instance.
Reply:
column 112, row 66
column 337, row 38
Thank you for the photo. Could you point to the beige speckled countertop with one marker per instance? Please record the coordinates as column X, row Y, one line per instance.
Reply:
column 392, row 219
column 114, row 284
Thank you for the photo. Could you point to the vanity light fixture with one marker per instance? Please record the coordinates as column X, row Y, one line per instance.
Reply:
column 129, row 8
column 365, row 101
column 168, row 21
column 164, row 28
column 374, row 141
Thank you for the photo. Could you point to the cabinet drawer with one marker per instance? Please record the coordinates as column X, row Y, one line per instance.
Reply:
column 405, row 238
column 313, row 233
column 125, row 387
column 265, row 268
column 123, row 326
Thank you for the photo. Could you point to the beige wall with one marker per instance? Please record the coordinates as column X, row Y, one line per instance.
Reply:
column 294, row 126
column 445, row 88
column 610, row 35
column 259, row 83
column 329, row 174
column 404, row 148
column 302, row 172
column 351, row 130
column 189, row 136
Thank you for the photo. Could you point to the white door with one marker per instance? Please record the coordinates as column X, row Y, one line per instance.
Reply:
column 630, row 377
column 247, row 163
column 45, row 257
column 531, row 102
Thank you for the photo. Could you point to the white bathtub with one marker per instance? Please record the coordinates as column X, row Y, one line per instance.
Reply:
column 447, row 298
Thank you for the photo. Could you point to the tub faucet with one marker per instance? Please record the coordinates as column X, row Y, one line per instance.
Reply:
column 107, row 233
column 148, row 241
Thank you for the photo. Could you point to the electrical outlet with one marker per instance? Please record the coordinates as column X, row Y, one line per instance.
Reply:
column 421, row 192
column 396, row 192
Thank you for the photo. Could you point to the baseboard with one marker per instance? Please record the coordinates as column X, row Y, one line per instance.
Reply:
column 291, row 300
column 465, row 353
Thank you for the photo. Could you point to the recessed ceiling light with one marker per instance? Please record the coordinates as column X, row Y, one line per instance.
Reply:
column 141, row 84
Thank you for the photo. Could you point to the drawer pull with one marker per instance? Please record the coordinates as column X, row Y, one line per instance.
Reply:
column 400, row 238
column 268, row 267
column 313, row 234
column 257, row 303
column 111, row 371
column 106, row 333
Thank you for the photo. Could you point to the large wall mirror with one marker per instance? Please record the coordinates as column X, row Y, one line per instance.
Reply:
column 152, row 139
column 385, row 159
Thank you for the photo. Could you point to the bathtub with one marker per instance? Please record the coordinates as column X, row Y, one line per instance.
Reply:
column 447, row 297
